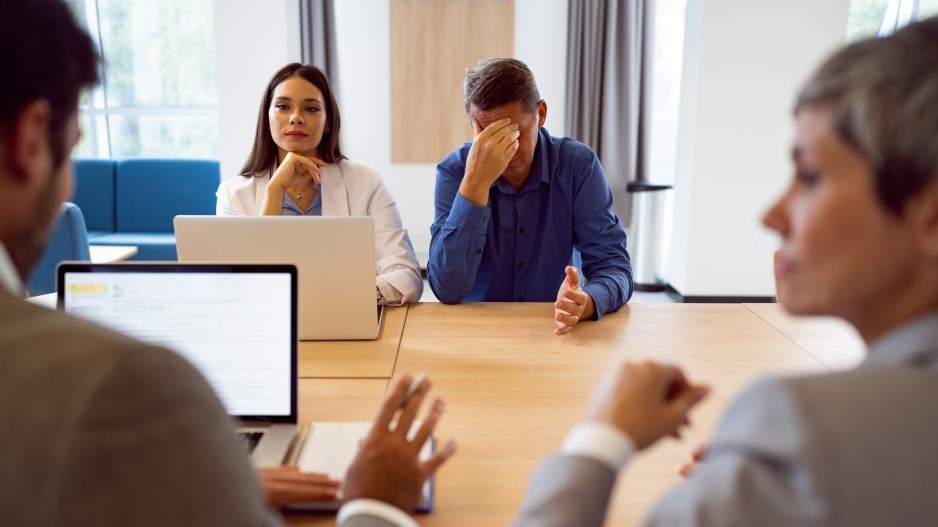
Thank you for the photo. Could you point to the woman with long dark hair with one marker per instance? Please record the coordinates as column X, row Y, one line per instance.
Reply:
column 296, row 168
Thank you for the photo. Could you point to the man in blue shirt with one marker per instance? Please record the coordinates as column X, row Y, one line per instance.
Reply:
column 512, row 206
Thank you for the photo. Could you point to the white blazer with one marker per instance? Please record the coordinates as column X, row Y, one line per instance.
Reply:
column 348, row 189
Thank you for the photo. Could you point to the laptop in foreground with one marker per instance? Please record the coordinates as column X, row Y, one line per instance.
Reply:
column 235, row 323
column 335, row 257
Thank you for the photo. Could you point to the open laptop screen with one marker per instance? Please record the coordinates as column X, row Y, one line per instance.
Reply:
column 235, row 323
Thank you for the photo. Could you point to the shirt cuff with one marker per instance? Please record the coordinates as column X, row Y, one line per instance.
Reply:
column 378, row 509
column 469, row 216
column 600, row 441
column 600, row 295
column 390, row 296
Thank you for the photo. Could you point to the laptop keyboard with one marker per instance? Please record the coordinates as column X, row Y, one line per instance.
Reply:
column 249, row 440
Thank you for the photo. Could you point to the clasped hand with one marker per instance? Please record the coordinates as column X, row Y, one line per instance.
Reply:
column 646, row 401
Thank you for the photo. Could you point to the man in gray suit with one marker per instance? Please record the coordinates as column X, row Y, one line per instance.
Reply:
column 859, row 226
column 100, row 429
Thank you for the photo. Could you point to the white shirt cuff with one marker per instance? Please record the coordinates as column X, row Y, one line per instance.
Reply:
column 600, row 441
column 390, row 295
column 375, row 508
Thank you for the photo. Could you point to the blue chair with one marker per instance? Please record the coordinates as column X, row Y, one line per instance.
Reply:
column 68, row 242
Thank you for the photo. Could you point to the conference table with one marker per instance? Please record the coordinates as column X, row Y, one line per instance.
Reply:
column 513, row 389
column 111, row 253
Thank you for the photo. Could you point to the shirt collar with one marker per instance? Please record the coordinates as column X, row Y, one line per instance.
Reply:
column 539, row 168
column 915, row 343
column 9, row 276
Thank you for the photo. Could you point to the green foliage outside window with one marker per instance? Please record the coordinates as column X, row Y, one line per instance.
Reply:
column 159, row 94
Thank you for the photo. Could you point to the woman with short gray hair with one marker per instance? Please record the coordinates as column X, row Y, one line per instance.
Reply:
column 859, row 229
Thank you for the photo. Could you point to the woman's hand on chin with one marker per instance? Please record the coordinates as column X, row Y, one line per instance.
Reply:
column 296, row 171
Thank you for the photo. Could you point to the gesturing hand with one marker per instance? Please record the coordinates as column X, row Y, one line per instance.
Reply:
column 573, row 303
column 297, row 172
column 647, row 401
column 388, row 466
column 491, row 151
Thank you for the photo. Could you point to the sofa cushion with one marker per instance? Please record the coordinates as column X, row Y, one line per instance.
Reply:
column 151, row 192
column 95, row 192
column 151, row 246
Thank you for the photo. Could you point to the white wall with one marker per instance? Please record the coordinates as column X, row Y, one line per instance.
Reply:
column 744, row 62
column 363, row 42
column 253, row 39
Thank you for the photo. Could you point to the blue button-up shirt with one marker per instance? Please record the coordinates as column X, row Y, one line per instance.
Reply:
column 516, row 247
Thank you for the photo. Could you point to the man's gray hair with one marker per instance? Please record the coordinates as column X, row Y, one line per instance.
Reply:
column 499, row 81
column 883, row 96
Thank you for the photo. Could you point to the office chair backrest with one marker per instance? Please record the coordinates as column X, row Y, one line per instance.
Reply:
column 69, row 241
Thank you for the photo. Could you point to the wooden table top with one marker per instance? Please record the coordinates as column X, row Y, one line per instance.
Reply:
column 355, row 358
column 830, row 340
column 111, row 253
column 513, row 389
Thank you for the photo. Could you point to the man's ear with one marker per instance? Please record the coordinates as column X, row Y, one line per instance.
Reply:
column 922, row 212
column 541, row 113
column 28, row 141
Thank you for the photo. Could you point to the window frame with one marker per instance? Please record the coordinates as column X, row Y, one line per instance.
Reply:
column 95, row 106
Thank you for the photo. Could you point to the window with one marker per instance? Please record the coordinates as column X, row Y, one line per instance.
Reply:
column 158, row 95
column 869, row 18
column 666, row 88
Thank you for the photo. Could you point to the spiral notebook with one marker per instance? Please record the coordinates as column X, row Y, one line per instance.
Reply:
column 330, row 447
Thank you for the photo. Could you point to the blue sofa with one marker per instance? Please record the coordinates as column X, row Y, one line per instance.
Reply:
column 134, row 201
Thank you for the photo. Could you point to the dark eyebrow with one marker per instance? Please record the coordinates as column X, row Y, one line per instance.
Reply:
column 284, row 98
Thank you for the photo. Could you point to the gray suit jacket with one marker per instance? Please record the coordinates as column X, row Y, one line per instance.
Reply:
column 851, row 448
column 101, row 430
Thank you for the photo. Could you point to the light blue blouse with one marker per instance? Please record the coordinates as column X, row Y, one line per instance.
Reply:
column 290, row 208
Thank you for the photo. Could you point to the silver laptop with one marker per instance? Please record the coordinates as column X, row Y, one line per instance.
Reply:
column 335, row 257
column 235, row 323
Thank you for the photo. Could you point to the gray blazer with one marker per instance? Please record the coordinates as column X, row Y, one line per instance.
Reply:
column 850, row 448
column 101, row 430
